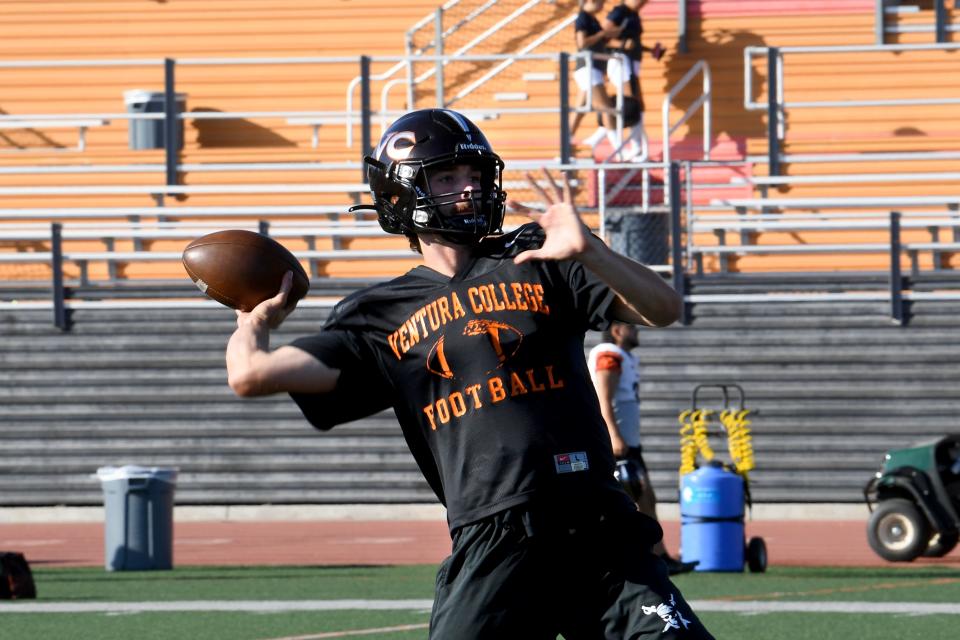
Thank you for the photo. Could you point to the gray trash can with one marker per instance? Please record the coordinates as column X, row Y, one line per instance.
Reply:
column 645, row 237
column 148, row 134
column 138, row 521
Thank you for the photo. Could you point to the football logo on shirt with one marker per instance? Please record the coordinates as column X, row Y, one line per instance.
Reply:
column 498, row 342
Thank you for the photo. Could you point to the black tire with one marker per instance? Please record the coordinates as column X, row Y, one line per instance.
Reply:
column 897, row 531
column 941, row 544
column 756, row 553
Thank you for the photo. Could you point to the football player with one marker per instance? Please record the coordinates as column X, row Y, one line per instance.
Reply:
column 479, row 352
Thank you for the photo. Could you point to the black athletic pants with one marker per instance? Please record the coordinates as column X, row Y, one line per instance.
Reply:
column 524, row 574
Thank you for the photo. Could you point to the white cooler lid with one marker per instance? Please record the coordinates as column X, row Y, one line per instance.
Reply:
column 105, row 474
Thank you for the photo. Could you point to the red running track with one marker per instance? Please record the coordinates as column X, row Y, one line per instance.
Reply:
column 335, row 542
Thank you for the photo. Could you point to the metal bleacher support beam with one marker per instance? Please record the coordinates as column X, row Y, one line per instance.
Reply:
column 774, row 98
column 757, row 204
column 896, row 277
column 879, row 22
column 940, row 21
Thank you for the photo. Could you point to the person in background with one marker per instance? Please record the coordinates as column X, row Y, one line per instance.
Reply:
column 616, row 376
column 626, row 17
column 591, row 36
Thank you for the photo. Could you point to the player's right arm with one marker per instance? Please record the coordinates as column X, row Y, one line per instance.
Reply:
column 254, row 370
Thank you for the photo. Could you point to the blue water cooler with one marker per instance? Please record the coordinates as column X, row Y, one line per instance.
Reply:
column 711, row 518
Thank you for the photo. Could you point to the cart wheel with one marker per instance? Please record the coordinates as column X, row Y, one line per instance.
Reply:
column 941, row 544
column 897, row 531
column 757, row 555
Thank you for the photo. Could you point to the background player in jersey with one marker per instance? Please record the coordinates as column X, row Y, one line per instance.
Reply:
column 616, row 374
column 479, row 352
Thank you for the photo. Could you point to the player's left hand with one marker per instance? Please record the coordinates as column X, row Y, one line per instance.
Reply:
column 566, row 235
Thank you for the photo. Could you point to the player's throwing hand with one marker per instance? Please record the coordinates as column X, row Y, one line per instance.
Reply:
column 566, row 235
column 273, row 310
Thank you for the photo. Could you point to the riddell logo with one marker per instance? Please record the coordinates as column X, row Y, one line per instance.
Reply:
column 498, row 342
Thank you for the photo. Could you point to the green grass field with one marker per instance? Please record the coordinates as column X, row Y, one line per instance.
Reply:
column 268, row 603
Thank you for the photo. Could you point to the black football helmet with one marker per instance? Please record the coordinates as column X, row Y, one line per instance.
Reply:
column 417, row 144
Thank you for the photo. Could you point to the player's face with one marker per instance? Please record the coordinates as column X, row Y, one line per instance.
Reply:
column 459, row 179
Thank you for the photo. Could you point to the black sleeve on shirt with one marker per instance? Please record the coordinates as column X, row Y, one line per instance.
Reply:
column 361, row 390
column 580, row 23
column 591, row 297
column 616, row 15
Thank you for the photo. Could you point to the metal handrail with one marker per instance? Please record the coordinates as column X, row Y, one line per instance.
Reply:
column 940, row 27
column 704, row 100
column 838, row 202
column 776, row 104
column 424, row 21
column 549, row 33
column 458, row 54
column 64, row 213
column 870, row 156
column 945, row 176
column 705, row 223
column 751, row 51
column 440, row 36
column 384, row 113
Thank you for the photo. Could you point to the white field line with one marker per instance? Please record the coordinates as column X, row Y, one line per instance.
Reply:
column 355, row 632
column 723, row 606
column 832, row 606
column 258, row 606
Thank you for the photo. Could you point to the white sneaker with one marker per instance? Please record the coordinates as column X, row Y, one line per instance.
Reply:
column 632, row 152
column 594, row 138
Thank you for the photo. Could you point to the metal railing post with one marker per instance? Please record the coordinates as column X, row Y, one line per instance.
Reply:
column 438, row 51
column 56, row 266
column 703, row 102
column 366, row 145
column 688, row 181
column 896, row 275
column 171, row 120
column 676, row 241
column 682, row 26
column 940, row 15
column 564, row 107
column 879, row 22
column 409, row 67
column 773, row 113
column 602, row 202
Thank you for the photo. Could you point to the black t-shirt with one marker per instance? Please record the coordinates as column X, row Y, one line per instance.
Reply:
column 631, row 32
column 589, row 25
column 486, row 374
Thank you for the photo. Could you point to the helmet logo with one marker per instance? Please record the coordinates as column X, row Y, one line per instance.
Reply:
column 398, row 145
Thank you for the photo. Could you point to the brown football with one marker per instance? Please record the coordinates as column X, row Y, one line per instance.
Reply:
column 242, row 269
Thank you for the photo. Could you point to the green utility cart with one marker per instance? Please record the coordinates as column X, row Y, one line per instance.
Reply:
column 914, row 501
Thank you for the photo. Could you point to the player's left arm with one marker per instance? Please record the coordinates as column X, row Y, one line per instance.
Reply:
column 643, row 297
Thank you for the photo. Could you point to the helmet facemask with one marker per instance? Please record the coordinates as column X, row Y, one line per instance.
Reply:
column 460, row 216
